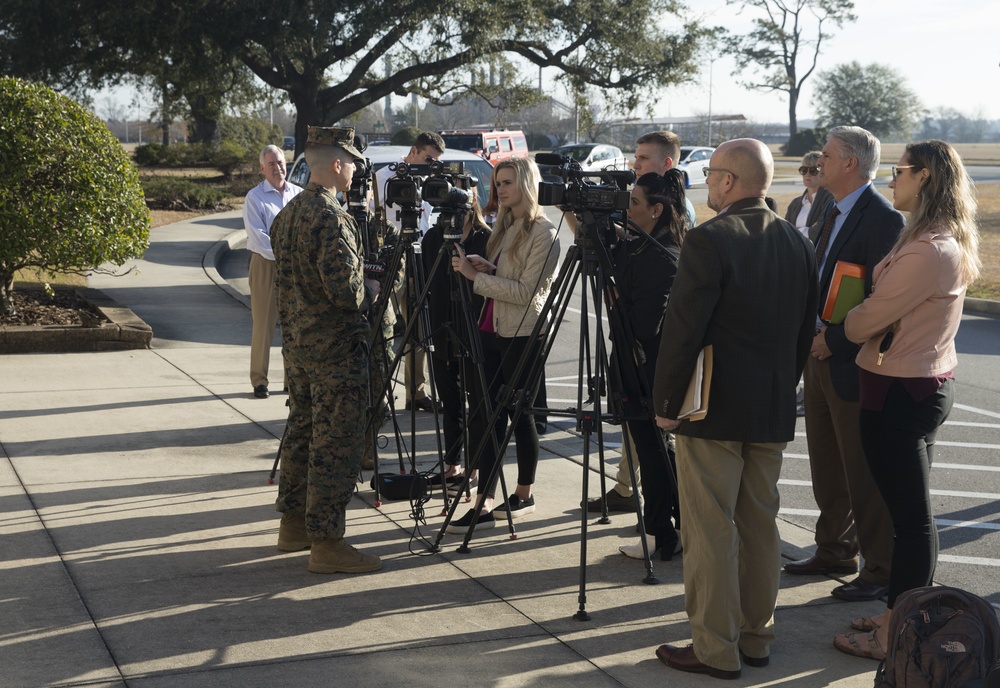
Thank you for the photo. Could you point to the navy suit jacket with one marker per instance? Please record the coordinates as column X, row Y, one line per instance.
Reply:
column 746, row 284
column 868, row 233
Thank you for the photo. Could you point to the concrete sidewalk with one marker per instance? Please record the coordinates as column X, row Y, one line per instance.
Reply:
column 137, row 539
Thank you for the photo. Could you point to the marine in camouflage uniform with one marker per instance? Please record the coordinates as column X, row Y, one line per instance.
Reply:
column 322, row 302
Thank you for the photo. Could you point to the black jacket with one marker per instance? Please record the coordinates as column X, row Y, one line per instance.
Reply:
column 444, row 309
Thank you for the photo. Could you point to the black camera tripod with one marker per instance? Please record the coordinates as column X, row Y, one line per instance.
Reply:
column 588, row 257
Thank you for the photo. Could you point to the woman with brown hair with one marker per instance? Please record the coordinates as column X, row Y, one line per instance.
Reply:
column 907, row 330
column 657, row 208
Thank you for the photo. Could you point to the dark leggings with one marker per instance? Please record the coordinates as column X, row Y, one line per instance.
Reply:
column 657, row 482
column 500, row 358
column 898, row 443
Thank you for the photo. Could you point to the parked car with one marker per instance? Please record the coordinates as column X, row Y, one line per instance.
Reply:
column 595, row 156
column 693, row 158
column 381, row 156
column 289, row 143
column 492, row 144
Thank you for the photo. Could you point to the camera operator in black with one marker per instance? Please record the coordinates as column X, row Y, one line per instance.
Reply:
column 447, row 357
column 644, row 276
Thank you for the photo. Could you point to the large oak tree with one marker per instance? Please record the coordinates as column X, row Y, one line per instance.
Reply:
column 336, row 58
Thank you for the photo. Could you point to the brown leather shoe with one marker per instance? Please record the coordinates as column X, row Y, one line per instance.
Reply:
column 684, row 659
column 859, row 591
column 814, row 566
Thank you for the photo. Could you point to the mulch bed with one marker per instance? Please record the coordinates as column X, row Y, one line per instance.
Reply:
column 35, row 307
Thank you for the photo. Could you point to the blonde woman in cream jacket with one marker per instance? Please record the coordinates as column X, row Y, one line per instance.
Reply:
column 515, row 278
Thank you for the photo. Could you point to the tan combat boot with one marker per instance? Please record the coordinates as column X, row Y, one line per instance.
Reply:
column 292, row 535
column 336, row 556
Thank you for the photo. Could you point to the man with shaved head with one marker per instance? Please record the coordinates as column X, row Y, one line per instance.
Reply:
column 746, row 285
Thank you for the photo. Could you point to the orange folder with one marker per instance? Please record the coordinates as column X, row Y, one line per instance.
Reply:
column 847, row 290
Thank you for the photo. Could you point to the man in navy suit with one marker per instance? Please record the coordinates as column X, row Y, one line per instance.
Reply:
column 860, row 227
column 746, row 284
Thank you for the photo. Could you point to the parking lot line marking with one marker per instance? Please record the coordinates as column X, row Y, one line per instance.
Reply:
column 991, row 496
column 991, row 414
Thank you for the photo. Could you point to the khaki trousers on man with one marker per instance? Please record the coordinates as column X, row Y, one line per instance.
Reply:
column 264, row 313
column 732, row 551
column 853, row 516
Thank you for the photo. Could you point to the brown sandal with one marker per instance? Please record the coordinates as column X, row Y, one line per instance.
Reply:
column 866, row 624
column 869, row 649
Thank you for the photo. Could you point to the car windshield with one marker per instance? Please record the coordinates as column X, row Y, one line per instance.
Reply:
column 578, row 153
column 463, row 142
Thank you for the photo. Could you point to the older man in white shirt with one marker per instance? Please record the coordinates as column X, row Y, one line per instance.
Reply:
column 262, row 205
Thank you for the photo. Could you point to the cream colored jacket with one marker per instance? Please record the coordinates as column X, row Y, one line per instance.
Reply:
column 918, row 291
column 521, row 282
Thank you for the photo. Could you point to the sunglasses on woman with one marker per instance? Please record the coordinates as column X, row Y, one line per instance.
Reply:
column 808, row 170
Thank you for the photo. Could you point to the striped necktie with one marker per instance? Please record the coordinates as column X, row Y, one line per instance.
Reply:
column 824, row 234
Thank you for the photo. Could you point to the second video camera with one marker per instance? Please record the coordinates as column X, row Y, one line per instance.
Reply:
column 573, row 189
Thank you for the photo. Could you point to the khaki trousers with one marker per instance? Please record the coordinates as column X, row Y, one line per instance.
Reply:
column 264, row 313
column 853, row 516
column 732, row 552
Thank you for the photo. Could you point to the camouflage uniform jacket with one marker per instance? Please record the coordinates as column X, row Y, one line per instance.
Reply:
column 319, row 279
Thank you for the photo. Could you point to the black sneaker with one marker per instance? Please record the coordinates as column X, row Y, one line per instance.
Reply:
column 486, row 520
column 515, row 507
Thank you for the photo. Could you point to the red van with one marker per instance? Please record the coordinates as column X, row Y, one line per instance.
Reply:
column 492, row 144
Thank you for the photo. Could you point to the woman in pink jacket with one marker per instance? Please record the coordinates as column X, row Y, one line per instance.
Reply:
column 907, row 330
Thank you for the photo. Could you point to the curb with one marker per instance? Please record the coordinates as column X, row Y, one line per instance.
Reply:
column 216, row 254
column 125, row 330
column 981, row 306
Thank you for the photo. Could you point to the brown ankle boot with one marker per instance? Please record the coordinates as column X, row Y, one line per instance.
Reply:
column 336, row 556
column 292, row 535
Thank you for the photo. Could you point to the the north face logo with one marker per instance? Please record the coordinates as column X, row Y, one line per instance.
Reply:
column 954, row 647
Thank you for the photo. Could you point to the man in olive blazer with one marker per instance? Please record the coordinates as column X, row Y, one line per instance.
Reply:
column 853, row 516
column 746, row 284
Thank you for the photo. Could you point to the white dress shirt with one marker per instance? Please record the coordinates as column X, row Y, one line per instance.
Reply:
column 262, row 205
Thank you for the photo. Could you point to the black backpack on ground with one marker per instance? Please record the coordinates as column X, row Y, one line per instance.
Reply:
column 941, row 637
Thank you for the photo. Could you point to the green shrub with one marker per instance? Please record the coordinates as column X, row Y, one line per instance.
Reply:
column 70, row 198
column 179, row 193
column 240, row 184
column 149, row 154
column 174, row 155
column 229, row 157
column 405, row 136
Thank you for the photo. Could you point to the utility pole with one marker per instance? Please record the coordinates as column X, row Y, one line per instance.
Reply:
column 711, row 65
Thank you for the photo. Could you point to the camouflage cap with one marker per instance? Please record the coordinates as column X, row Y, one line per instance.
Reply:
column 334, row 136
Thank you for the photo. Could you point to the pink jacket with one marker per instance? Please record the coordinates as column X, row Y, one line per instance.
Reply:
column 918, row 291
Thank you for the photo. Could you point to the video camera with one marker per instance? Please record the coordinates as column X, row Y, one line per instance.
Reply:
column 443, row 185
column 452, row 192
column 567, row 185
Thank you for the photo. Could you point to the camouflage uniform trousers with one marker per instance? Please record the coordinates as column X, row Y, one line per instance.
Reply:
column 324, row 441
